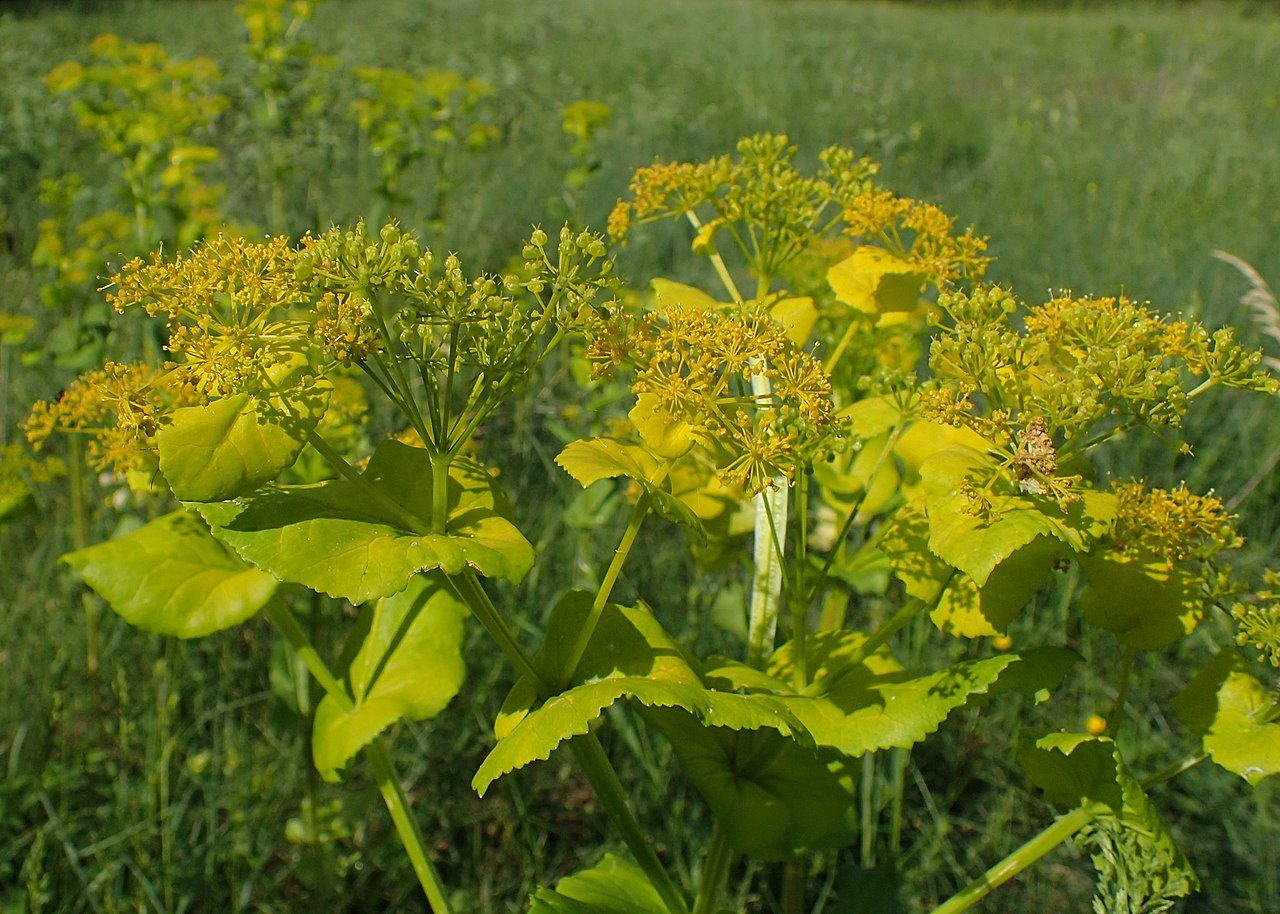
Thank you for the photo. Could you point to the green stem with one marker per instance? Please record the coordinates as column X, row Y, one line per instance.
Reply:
column 595, row 765
column 340, row 465
column 1122, row 691
column 80, row 527
column 406, row 826
column 715, row 872
column 800, row 605
column 440, row 492
column 1062, row 828
column 638, row 514
column 793, row 888
column 384, row 771
column 717, row 261
column 469, row 590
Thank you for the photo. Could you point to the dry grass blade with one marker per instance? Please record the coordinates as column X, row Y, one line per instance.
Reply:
column 1260, row 300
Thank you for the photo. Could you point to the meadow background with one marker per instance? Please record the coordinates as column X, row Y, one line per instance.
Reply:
column 1102, row 148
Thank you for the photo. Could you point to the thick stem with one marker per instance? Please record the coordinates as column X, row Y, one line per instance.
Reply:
column 1062, row 828
column 440, row 492
column 715, row 872
column 406, row 826
column 384, row 771
column 80, row 526
column 595, row 765
column 638, row 514
column 793, row 888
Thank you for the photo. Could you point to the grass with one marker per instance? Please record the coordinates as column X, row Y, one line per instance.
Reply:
column 1104, row 150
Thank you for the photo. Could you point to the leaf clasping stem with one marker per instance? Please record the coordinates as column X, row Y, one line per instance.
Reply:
column 587, row 749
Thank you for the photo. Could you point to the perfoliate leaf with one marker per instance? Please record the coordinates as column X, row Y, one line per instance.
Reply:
column 232, row 446
column 872, row 417
column 1235, row 714
column 671, row 294
column 774, row 798
column 1147, row 605
column 857, row 706
column 612, row 886
column 866, row 476
column 172, row 577
column 592, row 459
column 409, row 666
column 338, row 538
column 664, row 435
column 797, row 317
column 975, row 543
column 1077, row 770
column 874, row 281
column 629, row 655
column 969, row 611
column 875, row 704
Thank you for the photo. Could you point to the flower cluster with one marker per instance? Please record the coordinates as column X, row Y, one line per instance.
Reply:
column 227, row 308
column 1172, row 525
column 1086, row 368
column 697, row 369
column 759, row 197
column 1258, row 621
column 920, row 233
column 118, row 407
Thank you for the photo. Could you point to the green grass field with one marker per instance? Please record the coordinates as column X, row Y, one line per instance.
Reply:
column 1104, row 150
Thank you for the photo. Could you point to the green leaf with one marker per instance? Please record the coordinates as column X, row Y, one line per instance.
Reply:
column 234, row 445
column 977, row 544
column 1235, row 715
column 669, row 294
column 629, row 655
column 612, row 886
column 969, row 611
column 593, row 459
column 774, row 798
column 873, row 704
column 797, row 317
column 663, row 434
column 409, row 666
column 340, row 539
column 874, row 281
column 172, row 577
column 1076, row 770
column 1147, row 605
column 860, row 704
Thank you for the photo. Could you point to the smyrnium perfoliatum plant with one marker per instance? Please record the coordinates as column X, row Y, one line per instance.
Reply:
column 915, row 451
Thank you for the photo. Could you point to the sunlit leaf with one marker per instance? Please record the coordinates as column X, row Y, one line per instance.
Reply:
column 172, row 577
column 231, row 446
column 1235, row 714
column 346, row 540
column 1147, row 605
column 629, row 655
column 669, row 294
column 875, row 281
column 977, row 543
column 612, row 886
column 593, row 459
column 409, row 666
